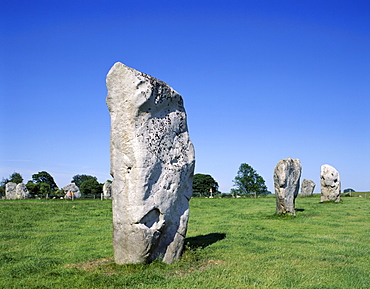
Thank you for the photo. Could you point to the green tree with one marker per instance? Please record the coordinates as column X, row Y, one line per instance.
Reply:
column 33, row 188
column 204, row 186
column 248, row 182
column 44, row 177
column 45, row 188
column 16, row 178
column 2, row 186
column 91, row 187
column 79, row 179
column 3, row 182
column 42, row 183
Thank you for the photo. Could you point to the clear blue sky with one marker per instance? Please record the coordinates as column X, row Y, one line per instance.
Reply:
column 261, row 81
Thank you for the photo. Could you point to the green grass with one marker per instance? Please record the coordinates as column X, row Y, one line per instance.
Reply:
column 232, row 243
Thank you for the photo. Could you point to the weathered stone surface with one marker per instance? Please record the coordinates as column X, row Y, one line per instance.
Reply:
column 72, row 190
column 307, row 188
column 22, row 191
column 15, row 191
column 287, row 174
column 330, row 184
column 107, row 190
column 152, row 165
column 11, row 192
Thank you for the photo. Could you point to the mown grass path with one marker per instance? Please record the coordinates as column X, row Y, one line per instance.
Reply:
column 232, row 243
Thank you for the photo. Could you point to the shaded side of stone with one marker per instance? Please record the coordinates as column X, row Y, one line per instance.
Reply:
column 107, row 190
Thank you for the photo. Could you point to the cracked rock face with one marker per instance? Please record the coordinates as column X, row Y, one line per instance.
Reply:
column 330, row 184
column 152, row 165
column 287, row 174
column 307, row 188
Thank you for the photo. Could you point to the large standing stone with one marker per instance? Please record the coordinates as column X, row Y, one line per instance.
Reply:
column 107, row 190
column 287, row 174
column 152, row 165
column 11, row 191
column 72, row 190
column 330, row 184
column 22, row 191
column 15, row 191
column 307, row 188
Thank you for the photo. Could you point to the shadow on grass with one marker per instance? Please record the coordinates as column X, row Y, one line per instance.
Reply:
column 299, row 210
column 203, row 241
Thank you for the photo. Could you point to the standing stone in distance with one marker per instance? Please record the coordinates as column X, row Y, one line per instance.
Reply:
column 107, row 190
column 330, row 184
column 15, row 191
column 287, row 174
column 22, row 192
column 307, row 188
column 11, row 191
column 152, row 165
column 72, row 190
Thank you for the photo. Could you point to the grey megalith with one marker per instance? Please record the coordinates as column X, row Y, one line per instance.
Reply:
column 152, row 165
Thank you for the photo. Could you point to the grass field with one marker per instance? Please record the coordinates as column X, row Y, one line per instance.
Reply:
column 232, row 243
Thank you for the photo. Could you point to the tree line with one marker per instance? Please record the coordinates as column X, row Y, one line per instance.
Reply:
column 247, row 182
column 42, row 184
